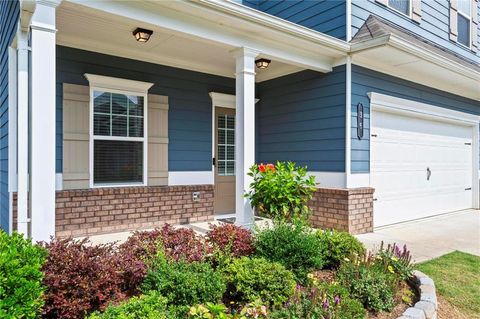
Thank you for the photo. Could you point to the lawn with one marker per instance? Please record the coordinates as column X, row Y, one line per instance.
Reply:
column 457, row 278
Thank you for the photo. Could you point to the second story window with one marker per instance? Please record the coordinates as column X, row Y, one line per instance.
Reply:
column 464, row 20
column 402, row 6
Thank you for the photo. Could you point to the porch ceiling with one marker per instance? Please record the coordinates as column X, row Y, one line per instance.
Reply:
column 94, row 30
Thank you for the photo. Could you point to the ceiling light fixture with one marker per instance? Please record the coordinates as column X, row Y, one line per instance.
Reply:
column 262, row 63
column 142, row 35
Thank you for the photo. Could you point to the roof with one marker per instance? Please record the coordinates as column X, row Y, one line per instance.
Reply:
column 376, row 27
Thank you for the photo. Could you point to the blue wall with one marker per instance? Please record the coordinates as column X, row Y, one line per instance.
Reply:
column 301, row 118
column 433, row 26
column 327, row 16
column 190, row 113
column 9, row 11
column 366, row 80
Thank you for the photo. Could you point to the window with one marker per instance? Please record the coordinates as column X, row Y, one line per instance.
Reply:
column 226, row 145
column 464, row 20
column 402, row 6
column 118, row 142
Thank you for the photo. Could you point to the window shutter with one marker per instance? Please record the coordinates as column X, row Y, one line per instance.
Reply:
column 453, row 20
column 157, row 140
column 474, row 25
column 417, row 10
column 383, row 2
column 76, row 136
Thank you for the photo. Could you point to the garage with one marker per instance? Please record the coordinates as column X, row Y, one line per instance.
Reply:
column 422, row 160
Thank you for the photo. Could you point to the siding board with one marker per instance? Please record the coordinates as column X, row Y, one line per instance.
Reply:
column 190, row 106
column 301, row 118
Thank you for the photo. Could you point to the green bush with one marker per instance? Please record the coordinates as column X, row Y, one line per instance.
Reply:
column 149, row 306
column 21, row 277
column 293, row 246
column 251, row 279
column 338, row 246
column 183, row 283
column 370, row 284
column 281, row 191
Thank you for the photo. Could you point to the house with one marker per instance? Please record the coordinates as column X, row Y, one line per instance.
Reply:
column 121, row 115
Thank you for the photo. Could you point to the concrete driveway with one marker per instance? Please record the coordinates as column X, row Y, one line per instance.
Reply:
column 432, row 237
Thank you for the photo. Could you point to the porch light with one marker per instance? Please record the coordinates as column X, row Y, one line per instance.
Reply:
column 142, row 35
column 262, row 63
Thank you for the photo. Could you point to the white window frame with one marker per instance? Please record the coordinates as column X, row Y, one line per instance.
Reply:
column 120, row 86
column 469, row 18
column 410, row 9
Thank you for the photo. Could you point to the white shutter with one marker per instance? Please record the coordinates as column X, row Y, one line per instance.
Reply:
column 157, row 140
column 453, row 20
column 417, row 10
column 474, row 26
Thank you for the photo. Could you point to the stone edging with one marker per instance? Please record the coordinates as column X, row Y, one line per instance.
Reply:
column 427, row 306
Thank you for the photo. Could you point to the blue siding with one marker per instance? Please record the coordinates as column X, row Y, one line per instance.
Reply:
column 327, row 16
column 301, row 118
column 9, row 11
column 434, row 25
column 366, row 80
column 190, row 113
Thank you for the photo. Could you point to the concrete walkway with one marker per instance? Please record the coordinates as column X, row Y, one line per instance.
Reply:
column 432, row 237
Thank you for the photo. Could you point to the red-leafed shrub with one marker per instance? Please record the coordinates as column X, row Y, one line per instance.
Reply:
column 236, row 240
column 81, row 278
column 178, row 244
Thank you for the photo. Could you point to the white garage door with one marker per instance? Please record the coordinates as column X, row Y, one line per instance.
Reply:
column 419, row 167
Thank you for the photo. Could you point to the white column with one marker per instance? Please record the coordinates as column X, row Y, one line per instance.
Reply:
column 22, row 133
column 12, row 131
column 42, row 121
column 244, row 131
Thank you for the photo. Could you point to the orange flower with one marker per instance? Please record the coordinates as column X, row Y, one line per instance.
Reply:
column 271, row 167
column 262, row 168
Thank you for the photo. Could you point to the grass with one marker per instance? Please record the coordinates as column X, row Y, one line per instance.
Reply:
column 457, row 279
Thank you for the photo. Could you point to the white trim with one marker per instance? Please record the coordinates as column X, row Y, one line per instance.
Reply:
column 380, row 101
column 410, row 9
column 329, row 179
column 470, row 21
column 222, row 100
column 359, row 180
column 190, row 178
column 411, row 108
column 348, row 24
column 58, row 181
column 12, row 119
column 348, row 122
column 129, row 86
column 121, row 86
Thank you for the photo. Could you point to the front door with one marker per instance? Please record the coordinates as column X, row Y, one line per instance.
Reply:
column 224, row 160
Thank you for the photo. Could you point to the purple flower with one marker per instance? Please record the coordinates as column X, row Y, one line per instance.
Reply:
column 325, row 304
column 337, row 300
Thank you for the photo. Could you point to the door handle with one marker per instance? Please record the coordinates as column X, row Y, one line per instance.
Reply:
column 429, row 173
column 213, row 161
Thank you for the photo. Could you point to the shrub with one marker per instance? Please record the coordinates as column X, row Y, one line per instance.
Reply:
column 81, row 278
column 295, row 247
column 281, row 191
column 219, row 311
column 395, row 260
column 250, row 279
column 180, row 243
column 20, row 277
column 149, row 306
column 373, row 287
column 321, row 301
column 338, row 246
column 235, row 240
column 183, row 283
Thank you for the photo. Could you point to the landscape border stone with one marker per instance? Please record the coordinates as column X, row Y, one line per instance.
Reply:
column 427, row 306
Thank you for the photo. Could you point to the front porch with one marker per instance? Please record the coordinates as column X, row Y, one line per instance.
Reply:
column 100, row 168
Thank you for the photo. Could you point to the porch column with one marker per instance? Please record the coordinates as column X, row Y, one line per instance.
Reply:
column 42, row 121
column 244, row 131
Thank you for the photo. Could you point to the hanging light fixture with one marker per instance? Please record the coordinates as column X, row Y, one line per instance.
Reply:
column 262, row 63
column 142, row 35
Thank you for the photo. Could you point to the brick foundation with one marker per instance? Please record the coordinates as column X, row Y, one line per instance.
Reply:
column 343, row 209
column 106, row 210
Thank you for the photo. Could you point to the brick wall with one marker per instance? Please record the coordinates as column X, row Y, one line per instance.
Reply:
column 343, row 209
column 106, row 210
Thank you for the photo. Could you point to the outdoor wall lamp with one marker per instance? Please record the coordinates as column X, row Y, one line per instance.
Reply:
column 142, row 35
column 262, row 63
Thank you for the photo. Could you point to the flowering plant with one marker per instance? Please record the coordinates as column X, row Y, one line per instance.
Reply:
column 281, row 191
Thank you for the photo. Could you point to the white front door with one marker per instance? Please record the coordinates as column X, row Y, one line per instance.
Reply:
column 419, row 167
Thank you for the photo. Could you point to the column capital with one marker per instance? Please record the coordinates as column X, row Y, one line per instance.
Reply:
column 244, row 52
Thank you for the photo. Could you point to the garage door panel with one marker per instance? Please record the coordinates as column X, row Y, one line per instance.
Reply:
column 402, row 150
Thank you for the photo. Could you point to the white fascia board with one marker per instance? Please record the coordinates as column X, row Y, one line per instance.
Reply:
column 387, row 102
column 199, row 21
